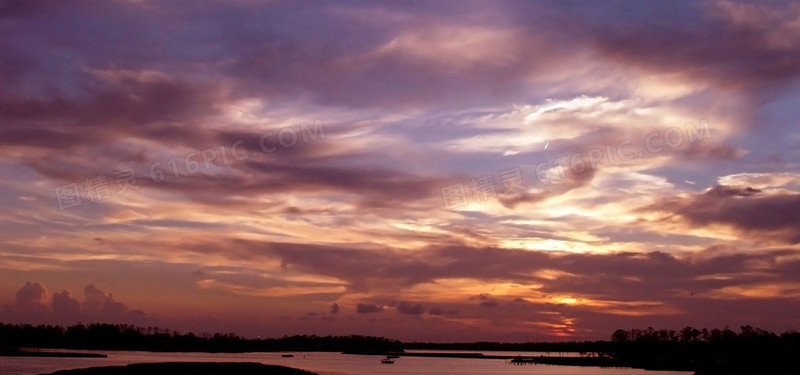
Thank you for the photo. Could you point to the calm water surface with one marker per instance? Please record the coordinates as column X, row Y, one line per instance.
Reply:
column 322, row 363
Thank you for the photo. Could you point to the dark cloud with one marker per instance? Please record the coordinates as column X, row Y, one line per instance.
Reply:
column 648, row 284
column 29, row 305
column 32, row 307
column 626, row 276
column 102, row 304
column 486, row 300
column 733, row 44
column 379, row 187
column 408, row 308
column 571, row 181
column 137, row 315
column 436, row 311
column 150, row 88
column 368, row 308
column 31, row 293
column 441, row 311
column 723, row 191
column 65, row 307
column 747, row 210
column 248, row 281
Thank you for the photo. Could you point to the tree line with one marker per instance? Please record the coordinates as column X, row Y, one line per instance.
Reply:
column 717, row 351
column 128, row 337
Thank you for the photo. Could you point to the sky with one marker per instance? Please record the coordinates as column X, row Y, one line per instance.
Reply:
column 429, row 171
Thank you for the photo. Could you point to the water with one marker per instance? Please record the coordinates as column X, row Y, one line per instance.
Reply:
column 321, row 363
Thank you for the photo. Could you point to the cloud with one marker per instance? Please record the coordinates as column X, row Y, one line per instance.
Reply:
column 436, row 311
column 722, row 191
column 744, row 209
column 559, row 187
column 486, row 300
column 32, row 306
column 31, row 293
column 65, row 307
column 308, row 316
column 29, row 305
column 441, row 311
column 410, row 309
column 247, row 282
column 713, row 34
column 101, row 304
column 368, row 308
column 650, row 284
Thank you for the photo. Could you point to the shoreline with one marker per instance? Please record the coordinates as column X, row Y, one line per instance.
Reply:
column 51, row 354
column 585, row 361
column 196, row 368
column 213, row 366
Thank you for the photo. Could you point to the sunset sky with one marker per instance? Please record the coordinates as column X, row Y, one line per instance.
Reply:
column 438, row 171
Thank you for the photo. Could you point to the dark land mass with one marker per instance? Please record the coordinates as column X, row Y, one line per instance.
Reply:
column 188, row 368
column 707, row 352
column 38, row 353
column 590, row 360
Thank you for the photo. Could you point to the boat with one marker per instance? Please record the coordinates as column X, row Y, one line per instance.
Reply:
column 287, row 355
column 387, row 361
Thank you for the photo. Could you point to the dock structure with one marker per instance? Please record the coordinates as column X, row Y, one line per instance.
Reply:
column 583, row 360
column 522, row 361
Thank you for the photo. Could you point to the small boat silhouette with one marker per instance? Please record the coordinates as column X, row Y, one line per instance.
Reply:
column 387, row 361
